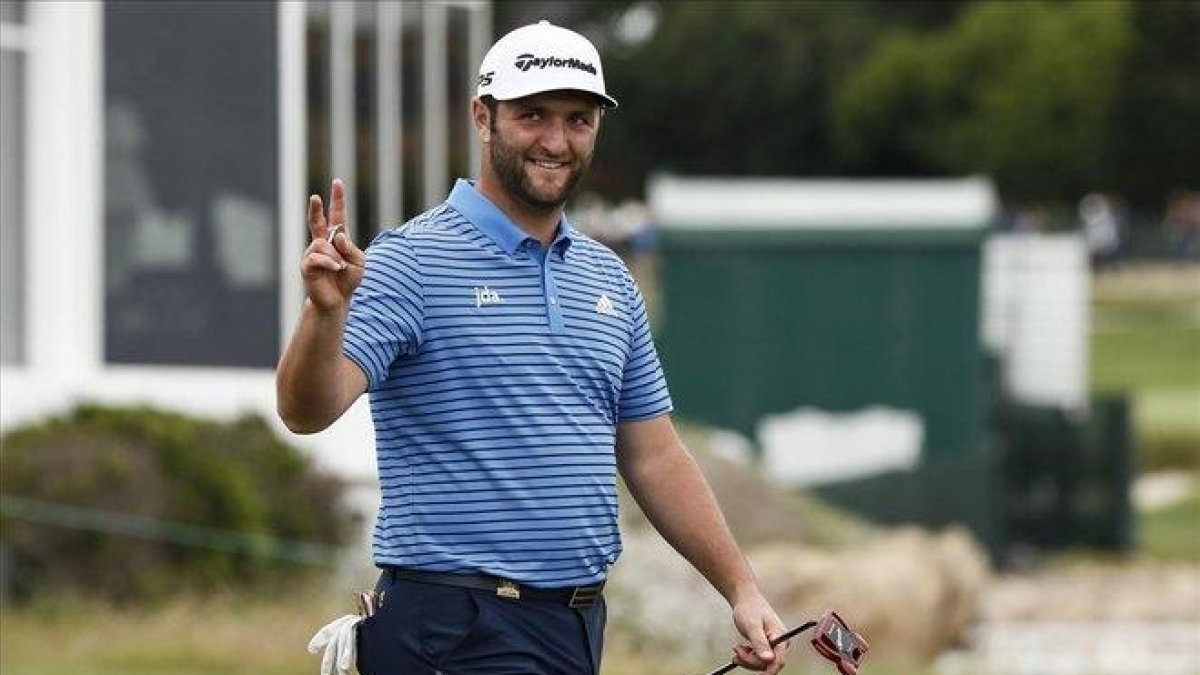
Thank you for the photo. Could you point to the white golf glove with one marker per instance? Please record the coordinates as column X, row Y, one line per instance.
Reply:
column 337, row 637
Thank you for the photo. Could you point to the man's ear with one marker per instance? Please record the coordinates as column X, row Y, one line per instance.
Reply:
column 482, row 117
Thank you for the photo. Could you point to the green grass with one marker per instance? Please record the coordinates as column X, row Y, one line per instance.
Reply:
column 1172, row 533
column 1146, row 342
column 1170, row 410
column 1146, row 345
column 188, row 636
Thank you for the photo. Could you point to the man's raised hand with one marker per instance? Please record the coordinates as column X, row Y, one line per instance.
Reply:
column 331, row 268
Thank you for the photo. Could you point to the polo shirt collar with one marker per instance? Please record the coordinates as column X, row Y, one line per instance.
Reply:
column 493, row 222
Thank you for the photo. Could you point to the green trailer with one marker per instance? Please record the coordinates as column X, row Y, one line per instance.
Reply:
column 782, row 295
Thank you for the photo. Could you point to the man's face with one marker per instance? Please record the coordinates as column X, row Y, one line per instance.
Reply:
column 541, row 145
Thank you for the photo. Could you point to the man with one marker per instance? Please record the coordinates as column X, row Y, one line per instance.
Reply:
column 511, row 375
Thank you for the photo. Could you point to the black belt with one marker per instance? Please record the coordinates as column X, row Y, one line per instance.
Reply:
column 574, row 596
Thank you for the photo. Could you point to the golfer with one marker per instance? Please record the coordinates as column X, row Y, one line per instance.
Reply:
column 511, row 375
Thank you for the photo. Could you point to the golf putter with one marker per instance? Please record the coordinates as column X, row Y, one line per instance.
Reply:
column 834, row 641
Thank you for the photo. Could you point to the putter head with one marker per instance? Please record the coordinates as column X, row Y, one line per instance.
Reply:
column 837, row 642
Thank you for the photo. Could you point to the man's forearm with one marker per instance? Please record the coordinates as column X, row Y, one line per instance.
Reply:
column 309, row 384
column 668, row 484
column 677, row 499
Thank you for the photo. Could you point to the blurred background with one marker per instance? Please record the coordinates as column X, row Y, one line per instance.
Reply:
column 924, row 276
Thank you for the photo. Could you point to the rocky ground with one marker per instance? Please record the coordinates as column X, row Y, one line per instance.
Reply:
column 913, row 592
column 918, row 595
column 1129, row 591
column 1086, row 618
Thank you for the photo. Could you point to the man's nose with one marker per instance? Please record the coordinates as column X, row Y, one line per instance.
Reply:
column 554, row 137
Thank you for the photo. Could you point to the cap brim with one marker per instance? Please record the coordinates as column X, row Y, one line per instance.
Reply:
column 604, row 100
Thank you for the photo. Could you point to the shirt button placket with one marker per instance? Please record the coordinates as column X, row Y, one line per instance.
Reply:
column 553, row 310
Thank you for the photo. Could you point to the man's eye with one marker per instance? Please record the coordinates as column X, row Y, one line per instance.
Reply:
column 531, row 115
column 581, row 120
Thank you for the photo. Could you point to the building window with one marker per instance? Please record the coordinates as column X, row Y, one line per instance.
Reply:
column 13, row 95
column 191, row 264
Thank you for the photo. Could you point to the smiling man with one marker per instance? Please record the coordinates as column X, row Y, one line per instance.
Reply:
column 512, row 376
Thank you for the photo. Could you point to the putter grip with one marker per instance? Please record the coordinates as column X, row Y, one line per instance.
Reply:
column 782, row 638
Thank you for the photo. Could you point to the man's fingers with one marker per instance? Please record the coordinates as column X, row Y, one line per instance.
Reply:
column 780, row 652
column 760, row 644
column 325, row 247
column 349, row 251
column 319, row 262
column 316, row 217
column 337, row 202
column 319, row 227
column 745, row 657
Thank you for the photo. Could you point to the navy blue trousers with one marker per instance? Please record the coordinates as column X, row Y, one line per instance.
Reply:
column 433, row 629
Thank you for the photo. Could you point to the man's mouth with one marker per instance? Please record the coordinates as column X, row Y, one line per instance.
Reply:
column 548, row 165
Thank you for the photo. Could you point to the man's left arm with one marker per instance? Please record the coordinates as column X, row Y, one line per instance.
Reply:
column 669, row 486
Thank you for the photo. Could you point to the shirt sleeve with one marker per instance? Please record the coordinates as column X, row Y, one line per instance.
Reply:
column 644, row 392
column 387, row 310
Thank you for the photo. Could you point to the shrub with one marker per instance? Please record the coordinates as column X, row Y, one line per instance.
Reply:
column 1169, row 449
column 136, row 503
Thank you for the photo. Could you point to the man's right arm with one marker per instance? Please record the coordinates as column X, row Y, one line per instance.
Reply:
column 315, row 383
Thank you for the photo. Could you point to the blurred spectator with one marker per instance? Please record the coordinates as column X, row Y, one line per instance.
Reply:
column 1102, row 224
column 1182, row 225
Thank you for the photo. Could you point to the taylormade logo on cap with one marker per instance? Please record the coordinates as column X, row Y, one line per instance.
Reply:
column 526, row 61
column 539, row 58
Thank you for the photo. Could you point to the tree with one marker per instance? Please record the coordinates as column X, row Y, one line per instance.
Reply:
column 1051, row 99
column 1155, row 137
column 738, row 88
column 1022, row 92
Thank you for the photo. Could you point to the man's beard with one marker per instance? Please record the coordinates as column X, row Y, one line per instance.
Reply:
column 510, row 169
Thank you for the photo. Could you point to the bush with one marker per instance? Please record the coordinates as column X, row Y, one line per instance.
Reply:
column 1169, row 449
column 135, row 503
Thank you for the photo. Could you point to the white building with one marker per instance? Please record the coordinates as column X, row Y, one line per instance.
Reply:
column 156, row 161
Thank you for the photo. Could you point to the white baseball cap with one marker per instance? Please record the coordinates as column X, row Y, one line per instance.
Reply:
column 541, row 57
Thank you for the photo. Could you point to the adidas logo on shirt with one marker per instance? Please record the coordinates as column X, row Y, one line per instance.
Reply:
column 604, row 306
column 486, row 296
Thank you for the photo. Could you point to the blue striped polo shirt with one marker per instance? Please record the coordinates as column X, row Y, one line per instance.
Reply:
column 498, row 370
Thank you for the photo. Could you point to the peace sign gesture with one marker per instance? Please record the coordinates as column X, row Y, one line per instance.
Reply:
column 332, row 266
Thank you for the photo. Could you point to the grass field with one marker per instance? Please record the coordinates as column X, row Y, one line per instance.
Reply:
column 188, row 636
column 1172, row 533
column 1146, row 342
column 1146, row 345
